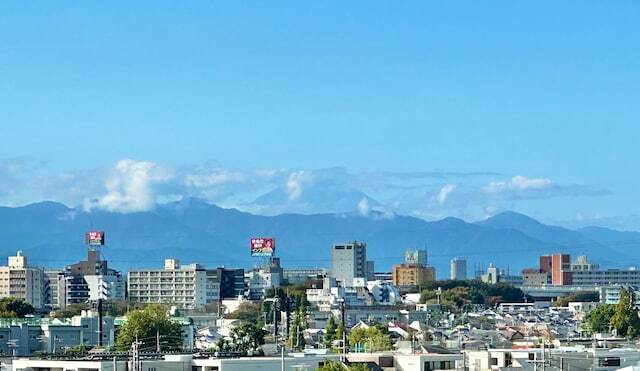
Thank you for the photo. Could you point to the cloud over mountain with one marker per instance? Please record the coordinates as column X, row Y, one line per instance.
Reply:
column 131, row 185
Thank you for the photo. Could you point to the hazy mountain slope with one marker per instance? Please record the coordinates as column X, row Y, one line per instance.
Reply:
column 52, row 234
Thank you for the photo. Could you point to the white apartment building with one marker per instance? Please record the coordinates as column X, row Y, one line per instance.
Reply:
column 18, row 280
column 183, row 286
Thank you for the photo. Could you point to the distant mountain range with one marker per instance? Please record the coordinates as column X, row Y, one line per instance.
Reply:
column 52, row 235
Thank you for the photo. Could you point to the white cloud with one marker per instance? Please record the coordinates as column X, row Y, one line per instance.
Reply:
column 363, row 207
column 521, row 187
column 297, row 181
column 444, row 193
column 518, row 183
column 130, row 187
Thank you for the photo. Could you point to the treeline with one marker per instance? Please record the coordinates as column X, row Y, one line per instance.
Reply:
column 458, row 293
column 580, row 296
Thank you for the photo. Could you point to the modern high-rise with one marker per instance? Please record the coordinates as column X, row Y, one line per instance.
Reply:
column 458, row 269
column 349, row 261
column 19, row 280
column 182, row 285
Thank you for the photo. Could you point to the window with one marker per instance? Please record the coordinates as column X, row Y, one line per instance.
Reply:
column 609, row 362
column 494, row 361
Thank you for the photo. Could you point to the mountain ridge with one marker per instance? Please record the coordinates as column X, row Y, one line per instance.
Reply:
column 51, row 234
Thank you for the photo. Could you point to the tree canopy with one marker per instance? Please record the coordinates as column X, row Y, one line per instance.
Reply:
column 14, row 307
column 580, row 296
column 373, row 339
column 145, row 324
column 622, row 317
column 458, row 293
column 599, row 318
column 247, row 312
column 625, row 317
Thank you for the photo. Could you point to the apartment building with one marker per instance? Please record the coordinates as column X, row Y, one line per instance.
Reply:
column 19, row 280
column 184, row 286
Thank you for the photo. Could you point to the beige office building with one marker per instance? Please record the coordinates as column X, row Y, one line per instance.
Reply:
column 18, row 280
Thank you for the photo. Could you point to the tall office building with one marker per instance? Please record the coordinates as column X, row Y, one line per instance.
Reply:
column 349, row 261
column 19, row 280
column 459, row 268
column 183, row 286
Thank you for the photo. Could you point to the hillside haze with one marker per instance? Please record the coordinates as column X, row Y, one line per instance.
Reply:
column 52, row 235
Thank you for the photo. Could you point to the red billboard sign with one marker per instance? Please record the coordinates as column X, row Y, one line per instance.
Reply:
column 263, row 246
column 95, row 238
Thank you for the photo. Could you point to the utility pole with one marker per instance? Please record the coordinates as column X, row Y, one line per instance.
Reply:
column 543, row 360
column 282, row 357
column 344, row 330
column 287, row 307
column 276, row 317
column 99, row 322
column 115, row 364
column 158, row 341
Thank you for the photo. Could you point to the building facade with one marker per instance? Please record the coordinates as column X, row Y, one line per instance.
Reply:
column 55, row 289
column 412, row 275
column 92, row 279
column 535, row 277
column 19, row 280
column 183, row 286
column 458, row 269
column 349, row 261
column 559, row 267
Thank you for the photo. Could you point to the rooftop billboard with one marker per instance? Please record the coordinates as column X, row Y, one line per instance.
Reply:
column 95, row 238
column 263, row 246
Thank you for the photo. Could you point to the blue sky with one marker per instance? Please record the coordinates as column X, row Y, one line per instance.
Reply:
column 544, row 90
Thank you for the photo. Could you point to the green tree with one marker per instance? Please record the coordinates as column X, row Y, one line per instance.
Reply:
column 145, row 324
column 247, row 312
column 599, row 319
column 358, row 367
column 330, row 332
column 580, row 296
column 247, row 337
column 298, row 325
column 625, row 318
column 14, row 307
column 331, row 366
column 373, row 338
column 70, row 310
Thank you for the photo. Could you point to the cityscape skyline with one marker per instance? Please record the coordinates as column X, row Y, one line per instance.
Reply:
column 431, row 110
